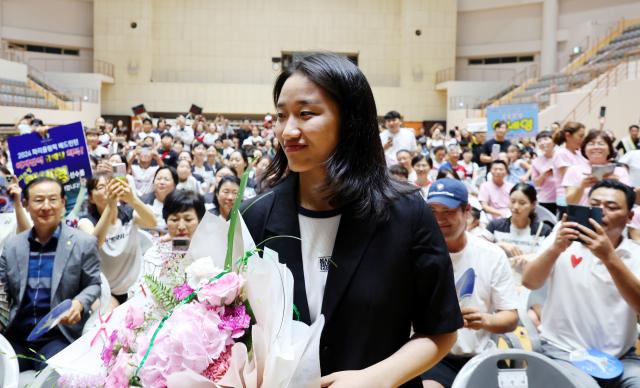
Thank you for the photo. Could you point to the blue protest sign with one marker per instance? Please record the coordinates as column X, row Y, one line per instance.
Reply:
column 521, row 119
column 62, row 155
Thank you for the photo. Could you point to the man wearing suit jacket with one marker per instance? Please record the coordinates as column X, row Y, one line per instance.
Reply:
column 42, row 267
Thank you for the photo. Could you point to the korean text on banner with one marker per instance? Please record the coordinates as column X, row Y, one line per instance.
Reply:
column 62, row 155
column 521, row 119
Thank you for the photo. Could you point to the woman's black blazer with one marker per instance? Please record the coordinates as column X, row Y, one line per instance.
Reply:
column 386, row 277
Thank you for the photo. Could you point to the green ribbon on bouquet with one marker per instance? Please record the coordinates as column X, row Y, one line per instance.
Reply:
column 228, row 267
column 228, row 264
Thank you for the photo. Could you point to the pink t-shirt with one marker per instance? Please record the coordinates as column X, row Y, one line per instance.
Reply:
column 547, row 190
column 565, row 158
column 575, row 175
column 496, row 197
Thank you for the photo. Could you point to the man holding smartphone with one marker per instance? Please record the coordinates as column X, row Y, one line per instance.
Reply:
column 489, row 153
column 143, row 171
column 594, row 286
column 396, row 138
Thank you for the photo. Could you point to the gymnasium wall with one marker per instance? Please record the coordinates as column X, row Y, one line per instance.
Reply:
column 217, row 54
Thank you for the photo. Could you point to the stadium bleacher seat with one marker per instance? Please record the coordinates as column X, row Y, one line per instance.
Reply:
column 16, row 93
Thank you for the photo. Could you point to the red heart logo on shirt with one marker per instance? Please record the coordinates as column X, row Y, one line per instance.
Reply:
column 575, row 260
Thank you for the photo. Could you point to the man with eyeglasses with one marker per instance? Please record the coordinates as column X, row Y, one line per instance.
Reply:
column 42, row 267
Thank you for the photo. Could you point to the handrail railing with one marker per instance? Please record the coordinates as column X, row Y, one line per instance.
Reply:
column 67, row 65
column 616, row 73
column 593, row 50
column 523, row 78
column 12, row 54
column 444, row 75
column 103, row 67
column 475, row 74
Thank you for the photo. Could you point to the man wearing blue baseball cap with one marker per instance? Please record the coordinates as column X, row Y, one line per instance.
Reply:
column 491, row 307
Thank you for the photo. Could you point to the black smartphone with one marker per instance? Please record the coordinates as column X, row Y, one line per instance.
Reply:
column 603, row 111
column 180, row 244
column 581, row 215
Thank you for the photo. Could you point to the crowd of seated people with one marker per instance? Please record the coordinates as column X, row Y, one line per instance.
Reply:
column 486, row 194
column 502, row 205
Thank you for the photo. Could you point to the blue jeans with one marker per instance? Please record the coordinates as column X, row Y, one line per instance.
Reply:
column 629, row 378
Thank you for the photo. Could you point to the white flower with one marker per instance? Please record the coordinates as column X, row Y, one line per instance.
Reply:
column 201, row 269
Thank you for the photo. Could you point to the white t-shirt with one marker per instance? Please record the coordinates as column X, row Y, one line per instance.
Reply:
column 210, row 138
column 157, row 213
column 494, row 289
column 252, row 141
column 99, row 152
column 104, row 139
column 120, row 256
column 184, row 134
column 143, row 178
column 155, row 136
column 191, row 184
column 318, row 232
column 632, row 159
column 583, row 308
column 404, row 139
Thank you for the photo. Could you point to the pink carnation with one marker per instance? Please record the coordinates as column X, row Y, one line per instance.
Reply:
column 218, row 368
column 182, row 291
column 107, row 351
column 191, row 339
column 134, row 318
column 236, row 320
column 222, row 291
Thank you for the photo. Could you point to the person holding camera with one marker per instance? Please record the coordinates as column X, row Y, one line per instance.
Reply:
column 593, row 297
column 396, row 138
column 144, row 171
column 499, row 138
column 597, row 148
column 13, row 217
column 93, row 144
column 116, row 229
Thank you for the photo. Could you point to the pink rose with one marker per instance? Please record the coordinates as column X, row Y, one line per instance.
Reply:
column 134, row 318
column 222, row 291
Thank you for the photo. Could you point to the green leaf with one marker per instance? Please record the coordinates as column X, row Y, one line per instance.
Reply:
column 233, row 219
column 161, row 292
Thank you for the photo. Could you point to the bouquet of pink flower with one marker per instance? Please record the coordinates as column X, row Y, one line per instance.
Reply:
column 203, row 325
column 214, row 321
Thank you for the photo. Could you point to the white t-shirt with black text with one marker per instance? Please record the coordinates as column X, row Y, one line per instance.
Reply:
column 318, row 232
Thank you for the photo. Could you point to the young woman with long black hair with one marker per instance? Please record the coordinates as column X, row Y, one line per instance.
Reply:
column 371, row 258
